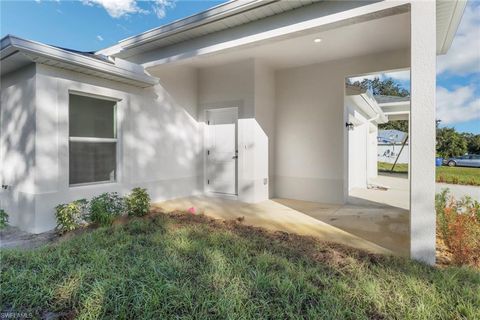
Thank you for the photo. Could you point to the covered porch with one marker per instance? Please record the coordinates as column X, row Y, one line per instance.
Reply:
column 270, row 105
column 378, row 229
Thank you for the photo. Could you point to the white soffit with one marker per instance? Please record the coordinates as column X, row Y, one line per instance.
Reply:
column 227, row 15
column 372, row 36
column 449, row 15
column 236, row 13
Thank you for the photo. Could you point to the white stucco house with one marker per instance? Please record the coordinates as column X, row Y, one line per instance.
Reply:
column 245, row 100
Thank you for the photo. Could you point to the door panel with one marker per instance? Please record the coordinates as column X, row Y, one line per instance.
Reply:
column 222, row 150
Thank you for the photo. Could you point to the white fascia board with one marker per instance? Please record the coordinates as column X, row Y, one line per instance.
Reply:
column 12, row 44
column 443, row 45
column 395, row 107
column 366, row 104
column 182, row 25
column 339, row 19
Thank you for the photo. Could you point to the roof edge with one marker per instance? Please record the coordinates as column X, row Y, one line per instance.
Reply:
column 456, row 18
column 215, row 13
column 11, row 44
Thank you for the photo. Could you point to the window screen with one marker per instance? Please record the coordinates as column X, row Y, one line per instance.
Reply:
column 93, row 140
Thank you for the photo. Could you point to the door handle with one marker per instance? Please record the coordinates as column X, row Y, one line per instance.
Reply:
column 235, row 157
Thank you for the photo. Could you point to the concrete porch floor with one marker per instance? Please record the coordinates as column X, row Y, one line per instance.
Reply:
column 376, row 229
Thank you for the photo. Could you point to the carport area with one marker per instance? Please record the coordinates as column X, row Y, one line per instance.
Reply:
column 378, row 228
column 279, row 123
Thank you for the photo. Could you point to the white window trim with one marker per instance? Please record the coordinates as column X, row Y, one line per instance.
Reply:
column 96, row 140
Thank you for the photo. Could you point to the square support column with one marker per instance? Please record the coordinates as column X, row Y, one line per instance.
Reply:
column 422, row 131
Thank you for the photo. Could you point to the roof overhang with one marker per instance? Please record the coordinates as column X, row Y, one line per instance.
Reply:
column 396, row 110
column 236, row 13
column 364, row 102
column 449, row 14
column 16, row 52
column 226, row 15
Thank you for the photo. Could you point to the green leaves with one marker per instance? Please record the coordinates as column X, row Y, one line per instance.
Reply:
column 450, row 143
column 3, row 219
column 138, row 202
column 102, row 209
column 106, row 207
column 71, row 215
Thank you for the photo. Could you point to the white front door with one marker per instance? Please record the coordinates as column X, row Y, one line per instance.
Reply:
column 221, row 164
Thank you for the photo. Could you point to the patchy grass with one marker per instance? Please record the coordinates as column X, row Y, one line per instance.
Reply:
column 459, row 175
column 452, row 175
column 386, row 167
column 186, row 266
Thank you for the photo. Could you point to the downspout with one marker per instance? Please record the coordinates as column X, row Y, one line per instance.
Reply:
column 368, row 144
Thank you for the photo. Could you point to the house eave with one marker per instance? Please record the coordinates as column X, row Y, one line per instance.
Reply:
column 122, row 71
column 222, row 13
column 447, row 28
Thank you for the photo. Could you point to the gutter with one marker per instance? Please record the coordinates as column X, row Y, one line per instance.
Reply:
column 214, row 14
column 11, row 45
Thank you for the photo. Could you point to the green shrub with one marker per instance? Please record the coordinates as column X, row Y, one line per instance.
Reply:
column 138, row 202
column 71, row 215
column 3, row 219
column 105, row 208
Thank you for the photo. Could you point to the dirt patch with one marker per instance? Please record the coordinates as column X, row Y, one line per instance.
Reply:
column 12, row 237
column 330, row 253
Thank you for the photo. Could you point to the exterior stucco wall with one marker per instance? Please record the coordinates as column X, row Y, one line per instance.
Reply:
column 372, row 158
column 265, row 115
column 247, row 85
column 422, row 131
column 311, row 139
column 17, row 146
column 159, row 142
column 226, row 86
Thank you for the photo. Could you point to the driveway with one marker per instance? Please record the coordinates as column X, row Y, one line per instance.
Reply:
column 376, row 229
column 459, row 191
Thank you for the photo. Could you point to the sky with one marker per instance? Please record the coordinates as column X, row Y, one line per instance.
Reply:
column 90, row 25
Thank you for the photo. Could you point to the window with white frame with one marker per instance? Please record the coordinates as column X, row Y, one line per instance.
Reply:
column 92, row 140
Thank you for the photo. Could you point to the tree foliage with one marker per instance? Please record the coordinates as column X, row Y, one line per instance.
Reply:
column 473, row 142
column 385, row 87
column 450, row 143
column 401, row 125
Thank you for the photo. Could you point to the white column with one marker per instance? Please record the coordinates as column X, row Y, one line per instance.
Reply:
column 422, row 131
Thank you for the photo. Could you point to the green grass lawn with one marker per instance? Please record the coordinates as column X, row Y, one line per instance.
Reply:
column 386, row 167
column 454, row 175
column 190, row 267
column 459, row 175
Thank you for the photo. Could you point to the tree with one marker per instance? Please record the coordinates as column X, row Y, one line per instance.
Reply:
column 386, row 87
column 450, row 143
column 473, row 142
column 401, row 125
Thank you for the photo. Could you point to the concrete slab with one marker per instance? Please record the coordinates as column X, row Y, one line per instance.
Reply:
column 324, row 221
column 459, row 191
column 397, row 193
column 12, row 237
column 383, row 225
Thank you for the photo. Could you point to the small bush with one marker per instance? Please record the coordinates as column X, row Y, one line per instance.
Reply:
column 105, row 208
column 138, row 202
column 3, row 219
column 71, row 215
column 458, row 224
